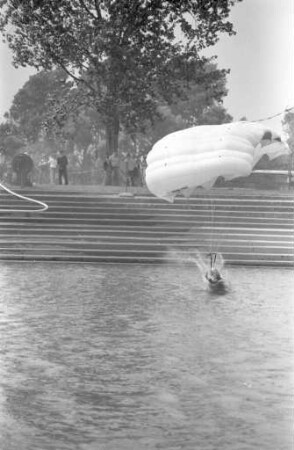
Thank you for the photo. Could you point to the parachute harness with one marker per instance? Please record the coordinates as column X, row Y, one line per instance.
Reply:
column 43, row 206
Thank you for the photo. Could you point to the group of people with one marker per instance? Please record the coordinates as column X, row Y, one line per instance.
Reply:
column 126, row 170
column 57, row 167
column 116, row 169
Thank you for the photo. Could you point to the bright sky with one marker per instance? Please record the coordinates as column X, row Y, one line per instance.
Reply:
column 260, row 57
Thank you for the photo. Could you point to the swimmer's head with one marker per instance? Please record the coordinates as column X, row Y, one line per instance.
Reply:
column 214, row 272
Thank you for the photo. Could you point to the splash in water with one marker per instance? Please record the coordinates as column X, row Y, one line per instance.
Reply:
column 203, row 262
column 203, row 265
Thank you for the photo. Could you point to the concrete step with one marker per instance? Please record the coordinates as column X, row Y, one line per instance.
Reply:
column 154, row 209
column 126, row 195
column 117, row 236
column 70, row 198
column 265, row 259
column 142, row 245
column 222, row 198
column 156, row 223
column 140, row 214
column 246, row 229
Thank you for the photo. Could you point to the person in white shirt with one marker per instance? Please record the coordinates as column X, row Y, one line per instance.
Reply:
column 52, row 168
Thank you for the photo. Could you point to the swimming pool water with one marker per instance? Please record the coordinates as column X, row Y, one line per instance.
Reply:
column 144, row 357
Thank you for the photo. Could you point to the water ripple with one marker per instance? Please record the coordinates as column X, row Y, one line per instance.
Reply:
column 144, row 357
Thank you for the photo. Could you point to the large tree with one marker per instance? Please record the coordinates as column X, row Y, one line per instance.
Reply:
column 37, row 119
column 288, row 124
column 48, row 102
column 30, row 105
column 10, row 142
column 126, row 55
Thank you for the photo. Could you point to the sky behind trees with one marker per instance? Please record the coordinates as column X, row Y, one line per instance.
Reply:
column 261, row 59
column 260, row 56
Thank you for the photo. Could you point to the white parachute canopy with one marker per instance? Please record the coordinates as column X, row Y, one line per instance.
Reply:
column 197, row 156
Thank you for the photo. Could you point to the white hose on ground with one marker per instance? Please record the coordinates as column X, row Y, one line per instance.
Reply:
column 44, row 207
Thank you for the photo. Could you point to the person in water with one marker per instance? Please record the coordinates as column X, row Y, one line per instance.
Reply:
column 213, row 275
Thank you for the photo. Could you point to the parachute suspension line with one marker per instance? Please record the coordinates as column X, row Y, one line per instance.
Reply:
column 44, row 206
column 212, row 246
column 215, row 238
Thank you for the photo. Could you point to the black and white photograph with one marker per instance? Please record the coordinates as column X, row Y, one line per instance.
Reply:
column 146, row 224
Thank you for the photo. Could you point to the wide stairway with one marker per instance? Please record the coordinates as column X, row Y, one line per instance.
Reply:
column 245, row 227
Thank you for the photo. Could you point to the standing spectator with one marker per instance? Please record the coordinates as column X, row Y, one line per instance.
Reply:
column 43, row 170
column 134, row 171
column 99, row 170
column 131, row 170
column 107, row 172
column 62, row 167
column 143, row 167
column 115, row 163
column 2, row 164
column 52, row 168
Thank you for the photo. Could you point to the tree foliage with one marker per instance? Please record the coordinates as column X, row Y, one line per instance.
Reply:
column 288, row 124
column 47, row 108
column 10, row 142
column 30, row 104
column 127, row 56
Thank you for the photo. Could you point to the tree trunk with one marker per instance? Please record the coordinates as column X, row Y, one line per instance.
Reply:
column 112, row 132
